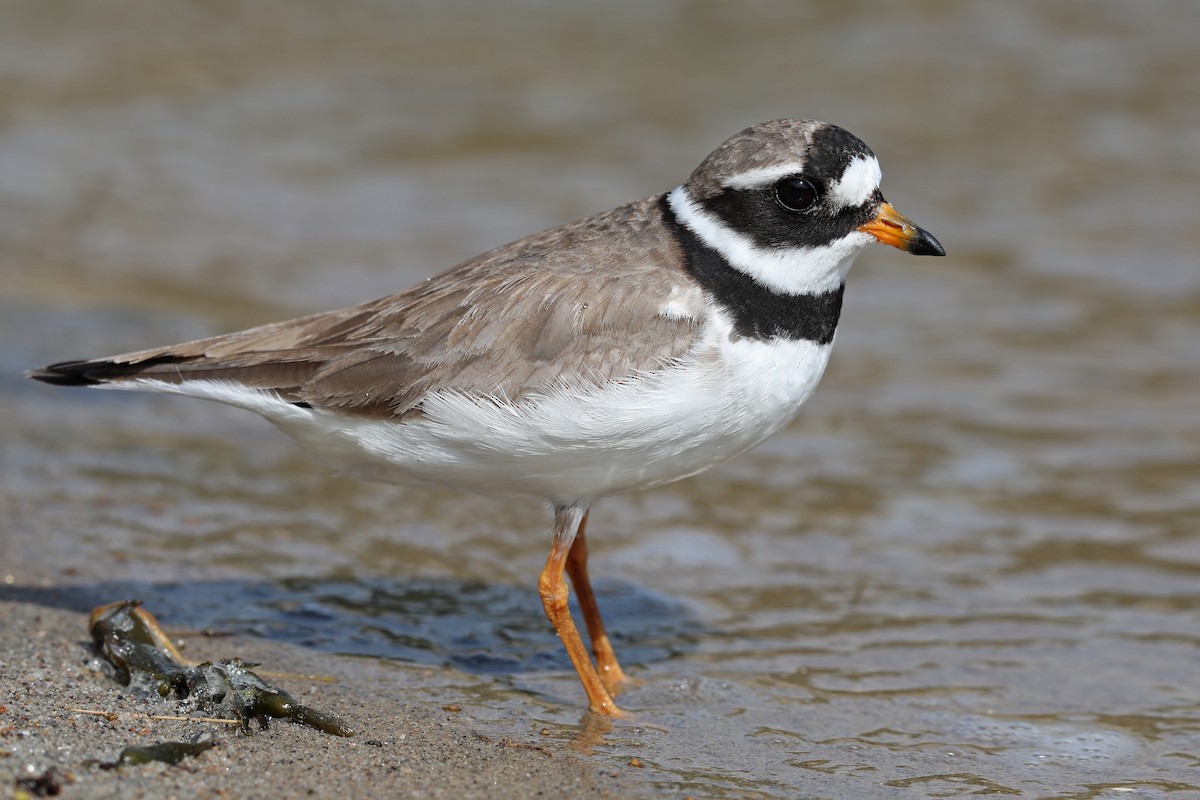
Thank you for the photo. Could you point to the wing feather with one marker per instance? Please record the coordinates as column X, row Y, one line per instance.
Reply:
column 577, row 305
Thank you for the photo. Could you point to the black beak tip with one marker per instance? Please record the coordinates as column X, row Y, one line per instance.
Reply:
column 926, row 245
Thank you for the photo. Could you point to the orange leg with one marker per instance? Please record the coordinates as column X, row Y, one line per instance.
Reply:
column 552, row 586
column 606, row 660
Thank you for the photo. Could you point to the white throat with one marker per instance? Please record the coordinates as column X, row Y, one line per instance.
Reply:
column 793, row 270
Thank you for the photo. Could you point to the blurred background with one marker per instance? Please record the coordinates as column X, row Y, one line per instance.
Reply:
column 969, row 567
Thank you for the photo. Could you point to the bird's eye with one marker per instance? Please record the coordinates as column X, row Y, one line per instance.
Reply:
column 795, row 194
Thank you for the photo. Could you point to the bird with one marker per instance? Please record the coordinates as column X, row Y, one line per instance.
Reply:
column 623, row 351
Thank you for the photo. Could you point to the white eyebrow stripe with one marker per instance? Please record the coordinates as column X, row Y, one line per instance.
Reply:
column 759, row 178
column 859, row 181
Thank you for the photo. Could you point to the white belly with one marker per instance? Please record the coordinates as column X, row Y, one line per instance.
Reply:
column 580, row 445
column 572, row 444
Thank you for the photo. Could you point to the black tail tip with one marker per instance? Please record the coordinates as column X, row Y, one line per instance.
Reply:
column 66, row 373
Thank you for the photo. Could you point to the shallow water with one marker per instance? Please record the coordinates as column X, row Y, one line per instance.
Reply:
column 970, row 567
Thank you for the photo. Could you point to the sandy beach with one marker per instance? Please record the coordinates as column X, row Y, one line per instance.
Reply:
column 405, row 745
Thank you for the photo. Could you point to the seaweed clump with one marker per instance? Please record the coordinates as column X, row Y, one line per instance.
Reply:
column 166, row 752
column 130, row 638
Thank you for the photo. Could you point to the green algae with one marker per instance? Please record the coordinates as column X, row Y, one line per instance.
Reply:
column 143, row 657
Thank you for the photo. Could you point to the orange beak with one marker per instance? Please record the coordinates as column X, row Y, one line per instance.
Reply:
column 892, row 227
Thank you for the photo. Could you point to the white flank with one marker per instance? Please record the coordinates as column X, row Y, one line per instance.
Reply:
column 577, row 443
column 573, row 443
column 231, row 393
column 795, row 270
column 858, row 182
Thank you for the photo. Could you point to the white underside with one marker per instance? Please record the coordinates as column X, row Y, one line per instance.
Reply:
column 570, row 445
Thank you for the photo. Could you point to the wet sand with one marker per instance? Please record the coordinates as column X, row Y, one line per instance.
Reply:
column 405, row 745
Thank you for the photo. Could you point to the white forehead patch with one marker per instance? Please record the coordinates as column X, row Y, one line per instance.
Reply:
column 858, row 182
column 764, row 176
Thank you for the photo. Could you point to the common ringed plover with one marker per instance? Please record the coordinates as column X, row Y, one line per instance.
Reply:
column 626, row 350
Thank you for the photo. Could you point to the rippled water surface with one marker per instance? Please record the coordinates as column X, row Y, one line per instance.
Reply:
column 970, row 567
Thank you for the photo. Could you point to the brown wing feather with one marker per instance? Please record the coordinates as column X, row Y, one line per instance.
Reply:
column 578, row 304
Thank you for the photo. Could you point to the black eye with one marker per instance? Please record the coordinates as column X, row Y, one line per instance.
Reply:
column 795, row 194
